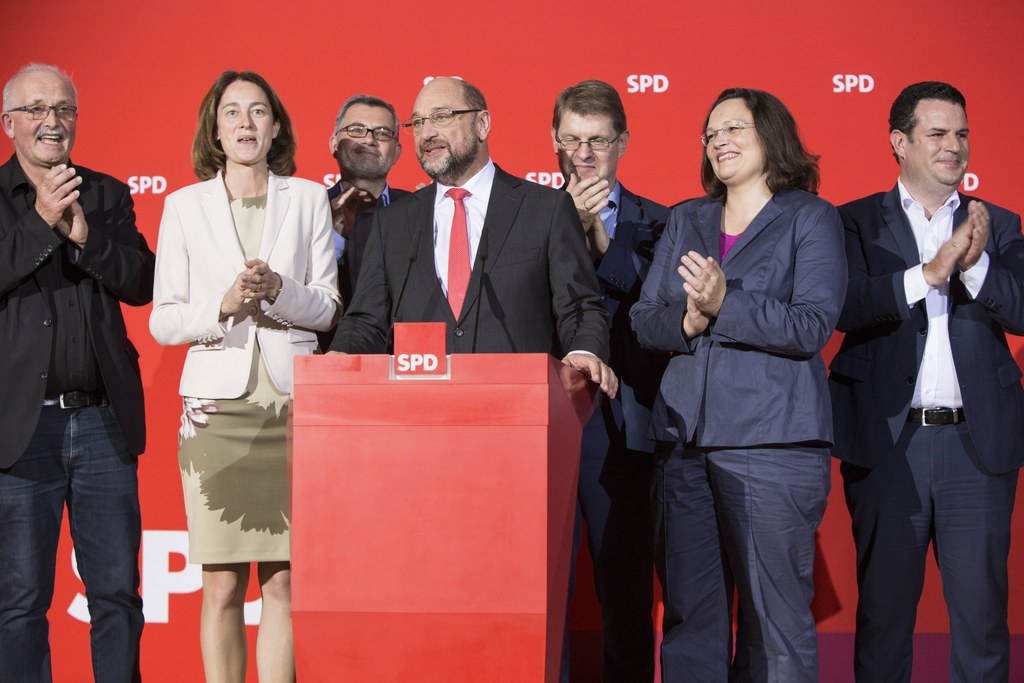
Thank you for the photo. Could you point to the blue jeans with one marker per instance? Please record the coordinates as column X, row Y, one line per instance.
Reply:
column 78, row 458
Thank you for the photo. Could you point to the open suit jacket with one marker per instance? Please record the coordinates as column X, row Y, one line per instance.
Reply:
column 198, row 259
column 118, row 267
column 532, row 289
column 621, row 272
column 755, row 376
column 873, row 375
column 352, row 258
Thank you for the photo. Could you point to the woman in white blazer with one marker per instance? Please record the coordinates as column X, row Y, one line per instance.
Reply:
column 245, row 276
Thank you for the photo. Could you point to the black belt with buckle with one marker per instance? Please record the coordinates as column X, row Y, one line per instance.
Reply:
column 77, row 399
column 934, row 417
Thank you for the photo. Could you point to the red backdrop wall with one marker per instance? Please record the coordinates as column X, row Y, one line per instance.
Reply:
column 141, row 69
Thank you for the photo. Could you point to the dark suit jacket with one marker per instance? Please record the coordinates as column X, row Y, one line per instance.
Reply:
column 873, row 375
column 536, row 291
column 756, row 376
column 621, row 272
column 120, row 268
column 352, row 258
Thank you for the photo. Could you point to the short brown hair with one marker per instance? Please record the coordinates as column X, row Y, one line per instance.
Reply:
column 474, row 98
column 903, row 114
column 591, row 98
column 207, row 154
column 787, row 165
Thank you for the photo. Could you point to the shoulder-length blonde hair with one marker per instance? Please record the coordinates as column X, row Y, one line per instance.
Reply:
column 207, row 154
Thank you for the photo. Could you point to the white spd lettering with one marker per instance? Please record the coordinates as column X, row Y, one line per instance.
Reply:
column 141, row 184
column 159, row 581
column 427, row 79
column 552, row 179
column 646, row 82
column 416, row 362
column 852, row 82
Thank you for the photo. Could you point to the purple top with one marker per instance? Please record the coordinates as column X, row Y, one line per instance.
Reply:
column 725, row 243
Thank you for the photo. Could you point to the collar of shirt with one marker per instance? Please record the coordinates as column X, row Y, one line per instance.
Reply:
column 930, row 234
column 385, row 196
column 479, row 188
column 908, row 201
column 610, row 214
column 12, row 176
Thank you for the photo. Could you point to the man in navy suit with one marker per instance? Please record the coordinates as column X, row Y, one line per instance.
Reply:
column 927, row 401
column 365, row 144
column 589, row 135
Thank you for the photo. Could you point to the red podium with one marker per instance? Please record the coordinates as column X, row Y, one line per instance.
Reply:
column 432, row 519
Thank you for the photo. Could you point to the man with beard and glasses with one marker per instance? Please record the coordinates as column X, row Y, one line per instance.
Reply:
column 365, row 144
column 71, row 414
column 531, row 287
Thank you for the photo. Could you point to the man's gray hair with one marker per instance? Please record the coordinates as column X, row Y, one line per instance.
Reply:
column 34, row 67
column 367, row 100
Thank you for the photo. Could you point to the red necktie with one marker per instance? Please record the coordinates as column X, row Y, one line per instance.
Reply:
column 459, row 267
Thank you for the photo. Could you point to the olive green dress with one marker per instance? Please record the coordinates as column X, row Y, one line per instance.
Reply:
column 233, row 452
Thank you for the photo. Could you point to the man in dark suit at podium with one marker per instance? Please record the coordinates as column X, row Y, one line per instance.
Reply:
column 365, row 143
column 589, row 135
column 927, row 400
column 531, row 287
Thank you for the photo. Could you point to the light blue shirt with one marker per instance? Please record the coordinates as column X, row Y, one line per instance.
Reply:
column 610, row 214
column 339, row 241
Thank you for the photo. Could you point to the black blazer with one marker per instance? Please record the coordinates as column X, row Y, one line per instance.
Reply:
column 873, row 375
column 352, row 258
column 533, row 282
column 621, row 272
column 120, row 269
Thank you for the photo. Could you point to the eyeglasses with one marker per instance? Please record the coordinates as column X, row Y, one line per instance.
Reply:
column 37, row 112
column 359, row 131
column 595, row 144
column 730, row 131
column 439, row 119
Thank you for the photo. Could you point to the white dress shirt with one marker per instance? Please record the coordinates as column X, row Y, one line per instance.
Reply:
column 479, row 188
column 937, row 385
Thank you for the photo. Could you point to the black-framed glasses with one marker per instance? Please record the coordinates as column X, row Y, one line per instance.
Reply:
column 439, row 119
column 730, row 131
column 359, row 131
column 65, row 112
column 595, row 144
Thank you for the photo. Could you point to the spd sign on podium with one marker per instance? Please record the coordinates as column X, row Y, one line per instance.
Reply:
column 432, row 520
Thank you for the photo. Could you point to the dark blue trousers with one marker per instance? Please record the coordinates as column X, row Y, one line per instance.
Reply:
column 745, row 519
column 76, row 458
column 931, row 490
column 614, row 499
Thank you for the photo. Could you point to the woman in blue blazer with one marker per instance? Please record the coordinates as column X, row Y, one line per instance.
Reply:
column 745, row 290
